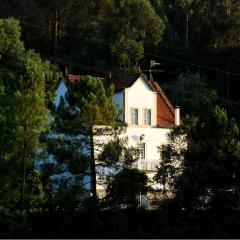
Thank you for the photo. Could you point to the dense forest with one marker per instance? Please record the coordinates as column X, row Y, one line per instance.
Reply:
column 122, row 36
column 197, row 43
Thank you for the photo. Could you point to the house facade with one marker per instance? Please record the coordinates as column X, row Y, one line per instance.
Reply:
column 146, row 110
column 149, row 116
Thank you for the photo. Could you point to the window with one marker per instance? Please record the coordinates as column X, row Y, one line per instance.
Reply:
column 134, row 116
column 147, row 117
column 141, row 148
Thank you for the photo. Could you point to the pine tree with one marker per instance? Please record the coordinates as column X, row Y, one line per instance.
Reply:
column 85, row 120
column 27, row 89
column 201, row 162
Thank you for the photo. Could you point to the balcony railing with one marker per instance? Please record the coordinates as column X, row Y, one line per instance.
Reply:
column 146, row 164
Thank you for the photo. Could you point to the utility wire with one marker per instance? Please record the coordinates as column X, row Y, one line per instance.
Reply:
column 132, row 50
column 91, row 68
column 76, row 64
column 194, row 65
column 131, row 76
column 234, row 102
column 86, row 67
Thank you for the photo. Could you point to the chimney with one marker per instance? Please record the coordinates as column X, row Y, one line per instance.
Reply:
column 177, row 115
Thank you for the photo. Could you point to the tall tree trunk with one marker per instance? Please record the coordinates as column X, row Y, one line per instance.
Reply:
column 49, row 31
column 25, row 151
column 93, row 168
column 187, row 29
column 93, row 187
column 228, row 81
column 56, row 33
column 16, row 7
column 24, row 164
column 228, row 7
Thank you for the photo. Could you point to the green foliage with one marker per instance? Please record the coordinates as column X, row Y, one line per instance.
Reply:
column 117, row 34
column 111, row 153
column 191, row 92
column 220, row 23
column 24, row 81
column 128, row 53
column 123, row 183
column 94, row 102
column 135, row 25
column 217, row 27
column 117, row 154
column 10, row 37
column 124, row 188
column 85, row 118
column 118, row 31
column 207, row 166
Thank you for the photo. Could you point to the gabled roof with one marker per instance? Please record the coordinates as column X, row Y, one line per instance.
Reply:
column 119, row 82
column 122, row 82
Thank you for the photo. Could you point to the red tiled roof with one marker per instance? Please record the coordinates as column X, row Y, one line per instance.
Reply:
column 73, row 78
column 119, row 82
column 165, row 110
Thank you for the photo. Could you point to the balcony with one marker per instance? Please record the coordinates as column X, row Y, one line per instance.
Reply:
column 146, row 164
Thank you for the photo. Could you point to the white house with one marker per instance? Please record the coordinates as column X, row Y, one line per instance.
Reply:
column 146, row 110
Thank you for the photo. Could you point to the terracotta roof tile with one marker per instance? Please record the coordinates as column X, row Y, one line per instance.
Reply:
column 73, row 78
column 165, row 110
column 121, row 82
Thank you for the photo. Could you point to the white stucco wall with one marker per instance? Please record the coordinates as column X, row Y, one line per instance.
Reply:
column 153, row 138
column 140, row 96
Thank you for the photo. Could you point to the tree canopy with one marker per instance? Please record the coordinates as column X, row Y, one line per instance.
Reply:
column 197, row 44
column 27, row 89
column 202, row 158
column 85, row 117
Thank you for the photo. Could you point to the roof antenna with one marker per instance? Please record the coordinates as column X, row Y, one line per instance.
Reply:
column 152, row 64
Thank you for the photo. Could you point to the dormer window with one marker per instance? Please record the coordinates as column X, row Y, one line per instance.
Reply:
column 134, row 116
column 147, row 117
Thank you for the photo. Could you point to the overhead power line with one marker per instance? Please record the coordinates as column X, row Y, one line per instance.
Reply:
column 76, row 64
column 64, row 61
column 194, row 65
column 83, row 66
column 91, row 68
column 233, row 102
column 102, row 42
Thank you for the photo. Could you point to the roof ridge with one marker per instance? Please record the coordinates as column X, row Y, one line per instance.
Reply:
column 123, row 82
